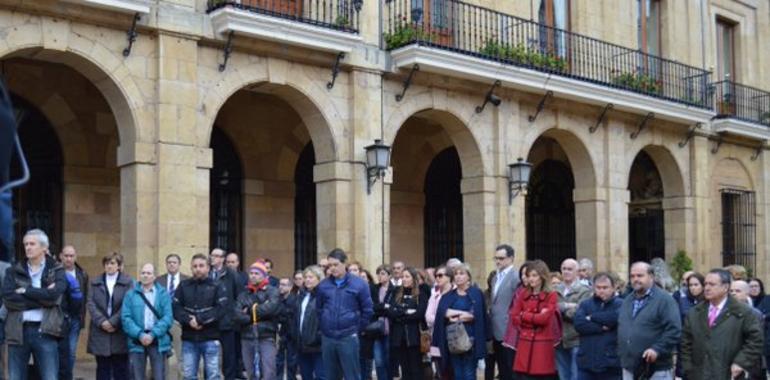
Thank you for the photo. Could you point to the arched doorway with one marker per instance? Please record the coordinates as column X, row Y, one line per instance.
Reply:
column 225, row 198
column 39, row 203
column 646, row 220
column 305, row 221
column 550, row 213
column 443, row 215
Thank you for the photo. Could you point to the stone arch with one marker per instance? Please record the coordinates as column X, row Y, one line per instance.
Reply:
column 455, row 124
column 100, row 64
column 316, row 109
column 674, row 184
column 580, row 159
column 731, row 172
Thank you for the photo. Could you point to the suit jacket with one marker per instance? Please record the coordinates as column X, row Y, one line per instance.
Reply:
column 162, row 280
column 500, row 302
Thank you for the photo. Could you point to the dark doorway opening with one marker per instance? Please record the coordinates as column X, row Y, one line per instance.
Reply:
column 226, row 196
column 305, row 223
column 443, row 215
column 646, row 223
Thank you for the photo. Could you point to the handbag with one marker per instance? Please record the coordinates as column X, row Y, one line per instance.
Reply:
column 457, row 338
column 375, row 329
column 425, row 339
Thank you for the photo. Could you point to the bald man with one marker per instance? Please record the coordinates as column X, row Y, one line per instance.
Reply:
column 571, row 293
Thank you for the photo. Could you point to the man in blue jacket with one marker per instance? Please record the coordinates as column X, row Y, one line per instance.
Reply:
column 596, row 320
column 146, row 317
column 344, row 306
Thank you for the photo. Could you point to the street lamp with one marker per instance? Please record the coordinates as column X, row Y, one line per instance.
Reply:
column 518, row 178
column 377, row 162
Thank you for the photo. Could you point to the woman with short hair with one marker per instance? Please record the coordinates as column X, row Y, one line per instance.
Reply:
column 309, row 328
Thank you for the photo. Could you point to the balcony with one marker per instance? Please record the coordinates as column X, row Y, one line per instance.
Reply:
column 455, row 38
column 328, row 25
column 741, row 110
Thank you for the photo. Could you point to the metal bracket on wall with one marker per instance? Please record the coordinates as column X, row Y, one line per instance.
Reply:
column 758, row 151
column 642, row 124
column 335, row 70
column 228, row 50
column 599, row 121
column 690, row 135
column 489, row 97
column 407, row 82
column 716, row 147
column 540, row 106
column 131, row 35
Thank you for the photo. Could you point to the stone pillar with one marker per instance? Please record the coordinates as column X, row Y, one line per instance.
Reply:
column 700, row 154
column 479, row 224
column 138, row 204
column 334, row 209
column 763, row 210
column 590, row 226
column 678, row 215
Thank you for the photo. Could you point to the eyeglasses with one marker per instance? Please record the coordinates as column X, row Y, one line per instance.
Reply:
column 440, row 275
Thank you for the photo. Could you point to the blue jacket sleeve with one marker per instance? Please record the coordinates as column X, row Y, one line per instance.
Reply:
column 128, row 320
column 582, row 325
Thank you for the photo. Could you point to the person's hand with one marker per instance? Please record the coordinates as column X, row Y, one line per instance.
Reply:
column 51, row 285
column 146, row 339
column 455, row 318
column 650, row 356
column 411, row 311
column 107, row 326
column 736, row 371
column 544, row 310
column 21, row 290
column 605, row 328
column 194, row 323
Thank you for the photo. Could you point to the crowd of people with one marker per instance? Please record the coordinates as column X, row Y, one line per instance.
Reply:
column 336, row 321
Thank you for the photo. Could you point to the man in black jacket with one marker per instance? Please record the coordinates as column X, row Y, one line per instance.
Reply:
column 32, row 292
column 228, row 279
column 199, row 304
column 287, row 349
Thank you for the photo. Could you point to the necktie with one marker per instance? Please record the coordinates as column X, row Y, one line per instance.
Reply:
column 171, row 286
column 713, row 312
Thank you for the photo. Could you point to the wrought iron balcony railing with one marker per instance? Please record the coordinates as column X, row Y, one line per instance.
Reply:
column 340, row 15
column 733, row 100
column 488, row 34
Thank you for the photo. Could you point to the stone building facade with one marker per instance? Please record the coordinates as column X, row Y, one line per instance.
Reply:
column 227, row 124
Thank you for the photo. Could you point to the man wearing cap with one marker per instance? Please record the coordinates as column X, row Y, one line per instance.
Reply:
column 256, row 315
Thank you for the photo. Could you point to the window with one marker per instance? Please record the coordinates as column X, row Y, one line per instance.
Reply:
column 725, row 50
column 649, row 26
column 225, row 196
column 739, row 228
column 554, row 14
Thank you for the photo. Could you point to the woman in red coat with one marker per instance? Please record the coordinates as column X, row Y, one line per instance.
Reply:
column 534, row 313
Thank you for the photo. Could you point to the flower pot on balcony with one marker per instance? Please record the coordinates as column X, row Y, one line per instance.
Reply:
column 726, row 108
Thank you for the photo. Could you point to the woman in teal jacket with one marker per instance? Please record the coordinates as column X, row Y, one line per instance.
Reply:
column 147, row 340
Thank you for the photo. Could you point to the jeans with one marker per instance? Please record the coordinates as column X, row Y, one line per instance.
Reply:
column 267, row 351
column 382, row 358
column 229, row 354
column 112, row 367
column 309, row 364
column 192, row 352
column 68, row 347
column 464, row 366
column 341, row 357
column 566, row 363
column 658, row 375
column 3, row 365
column 286, row 358
column 43, row 347
column 610, row 374
column 139, row 363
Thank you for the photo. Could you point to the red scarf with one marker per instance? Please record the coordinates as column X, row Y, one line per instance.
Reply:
column 255, row 288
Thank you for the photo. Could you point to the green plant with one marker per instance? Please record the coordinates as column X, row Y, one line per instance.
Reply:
column 679, row 264
column 404, row 34
column 521, row 55
column 341, row 21
column 764, row 118
column 638, row 82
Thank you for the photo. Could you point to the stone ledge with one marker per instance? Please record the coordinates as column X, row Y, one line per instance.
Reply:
column 124, row 6
column 137, row 153
column 334, row 170
column 475, row 185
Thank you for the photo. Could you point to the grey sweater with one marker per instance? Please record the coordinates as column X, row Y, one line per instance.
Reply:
column 657, row 325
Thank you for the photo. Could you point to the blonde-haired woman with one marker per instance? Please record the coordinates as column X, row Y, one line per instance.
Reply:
column 308, row 327
column 535, row 315
column 464, row 304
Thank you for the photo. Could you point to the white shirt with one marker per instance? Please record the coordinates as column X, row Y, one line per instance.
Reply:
column 34, row 315
column 149, row 316
column 111, row 280
column 302, row 312
column 173, row 279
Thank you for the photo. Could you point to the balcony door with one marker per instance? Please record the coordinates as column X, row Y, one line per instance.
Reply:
column 649, row 37
column 553, row 15
column 436, row 18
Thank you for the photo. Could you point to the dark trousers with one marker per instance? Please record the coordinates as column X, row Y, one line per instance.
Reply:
column 410, row 361
column 610, row 374
column 286, row 358
column 489, row 369
column 504, row 357
column 113, row 367
column 65, row 369
column 229, row 352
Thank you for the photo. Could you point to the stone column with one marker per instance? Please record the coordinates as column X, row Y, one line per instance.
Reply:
column 334, row 208
column 479, row 224
column 138, row 204
column 678, row 214
column 700, row 154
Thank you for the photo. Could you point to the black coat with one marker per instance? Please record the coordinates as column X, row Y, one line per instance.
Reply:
column 309, row 336
column 764, row 307
column 231, row 282
column 205, row 300
column 268, row 313
column 404, row 326
column 287, row 329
